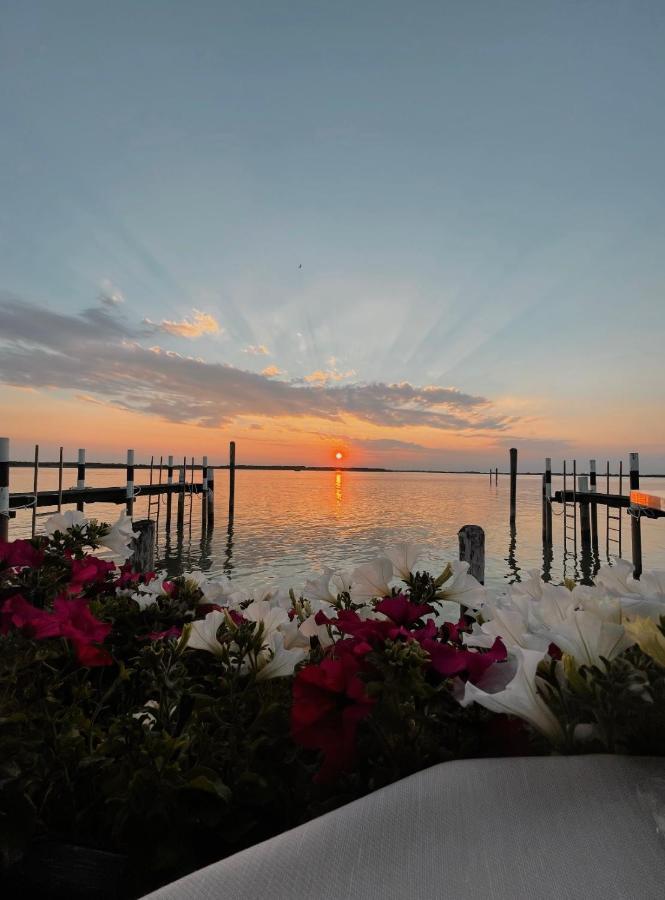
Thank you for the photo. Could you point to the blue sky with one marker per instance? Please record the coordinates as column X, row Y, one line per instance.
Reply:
column 474, row 192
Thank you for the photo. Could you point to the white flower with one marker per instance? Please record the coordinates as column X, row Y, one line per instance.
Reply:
column 202, row 633
column 326, row 586
column 510, row 624
column 272, row 617
column 461, row 587
column 372, row 580
column 63, row 521
column 404, row 557
column 310, row 629
column 644, row 597
column 275, row 660
column 120, row 537
column 144, row 600
column 512, row 688
column 586, row 637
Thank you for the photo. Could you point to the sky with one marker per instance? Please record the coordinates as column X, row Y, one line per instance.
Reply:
column 415, row 233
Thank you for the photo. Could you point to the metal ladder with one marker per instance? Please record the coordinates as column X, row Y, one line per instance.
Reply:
column 570, row 518
column 35, row 490
column 614, row 518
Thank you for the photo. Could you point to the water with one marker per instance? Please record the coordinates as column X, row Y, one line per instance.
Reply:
column 289, row 524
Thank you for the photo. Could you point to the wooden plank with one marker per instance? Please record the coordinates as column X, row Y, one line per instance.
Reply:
column 95, row 495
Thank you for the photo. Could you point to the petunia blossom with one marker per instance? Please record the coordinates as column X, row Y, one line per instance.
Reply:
column 371, row 580
column 121, row 537
column 329, row 702
column 512, row 688
column 63, row 521
column 404, row 558
column 20, row 554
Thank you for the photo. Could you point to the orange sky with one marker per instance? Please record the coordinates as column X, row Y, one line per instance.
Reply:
column 54, row 418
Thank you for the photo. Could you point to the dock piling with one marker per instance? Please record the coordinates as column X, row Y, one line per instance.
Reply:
column 232, row 480
column 60, row 460
column 593, row 488
column 210, row 505
column 635, row 524
column 4, row 489
column 35, row 490
column 472, row 550
column 181, row 495
column 585, row 517
column 513, row 484
column 143, row 546
column 169, row 482
column 548, row 501
column 130, row 482
column 80, row 476
column 204, row 491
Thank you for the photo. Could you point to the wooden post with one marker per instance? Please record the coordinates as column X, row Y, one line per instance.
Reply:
column 635, row 524
column 35, row 489
column 548, row 501
column 181, row 496
column 472, row 550
column 143, row 546
column 204, row 491
column 585, row 518
column 593, row 488
column 60, row 480
column 130, row 483
column 513, row 483
column 210, row 505
column 496, row 475
column 80, row 476
column 4, row 489
column 232, row 480
column 169, row 481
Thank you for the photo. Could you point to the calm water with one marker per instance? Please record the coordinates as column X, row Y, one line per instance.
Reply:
column 288, row 524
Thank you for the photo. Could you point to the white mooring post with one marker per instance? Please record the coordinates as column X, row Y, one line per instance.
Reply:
column 129, row 496
column 635, row 524
column 80, row 476
column 4, row 489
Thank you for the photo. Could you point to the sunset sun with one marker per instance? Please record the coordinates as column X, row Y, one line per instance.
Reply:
column 339, row 455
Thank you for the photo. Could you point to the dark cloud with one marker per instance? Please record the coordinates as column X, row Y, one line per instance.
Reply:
column 101, row 355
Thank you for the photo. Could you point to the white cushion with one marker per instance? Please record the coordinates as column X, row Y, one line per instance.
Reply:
column 548, row 827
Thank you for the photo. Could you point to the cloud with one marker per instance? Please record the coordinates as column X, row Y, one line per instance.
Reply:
column 272, row 371
column 109, row 295
column 321, row 376
column 257, row 350
column 199, row 324
column 103, row 357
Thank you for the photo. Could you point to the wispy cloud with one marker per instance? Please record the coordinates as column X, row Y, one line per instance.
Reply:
column 110, row 295
column 101, row 356
column 257, row 350
column 272, row 371
column 323, row 376
column 198, row 324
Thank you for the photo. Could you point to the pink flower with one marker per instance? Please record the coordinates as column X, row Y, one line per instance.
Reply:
column 77, row 623
column 401, row 610
column 18, row 613
column 173, row 631
column 329, row 702
column 89, row 570
column 448, row 660
column 20, row 553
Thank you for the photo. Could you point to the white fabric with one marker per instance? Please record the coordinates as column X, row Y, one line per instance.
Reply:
column 552, row 827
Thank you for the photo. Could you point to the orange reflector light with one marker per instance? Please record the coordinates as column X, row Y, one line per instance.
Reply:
column 651, row 501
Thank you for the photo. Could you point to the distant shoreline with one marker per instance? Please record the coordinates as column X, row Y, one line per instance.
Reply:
column 29, row 464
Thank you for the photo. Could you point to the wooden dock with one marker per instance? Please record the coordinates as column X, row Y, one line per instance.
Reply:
column 88, row 495
column 179, row 480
